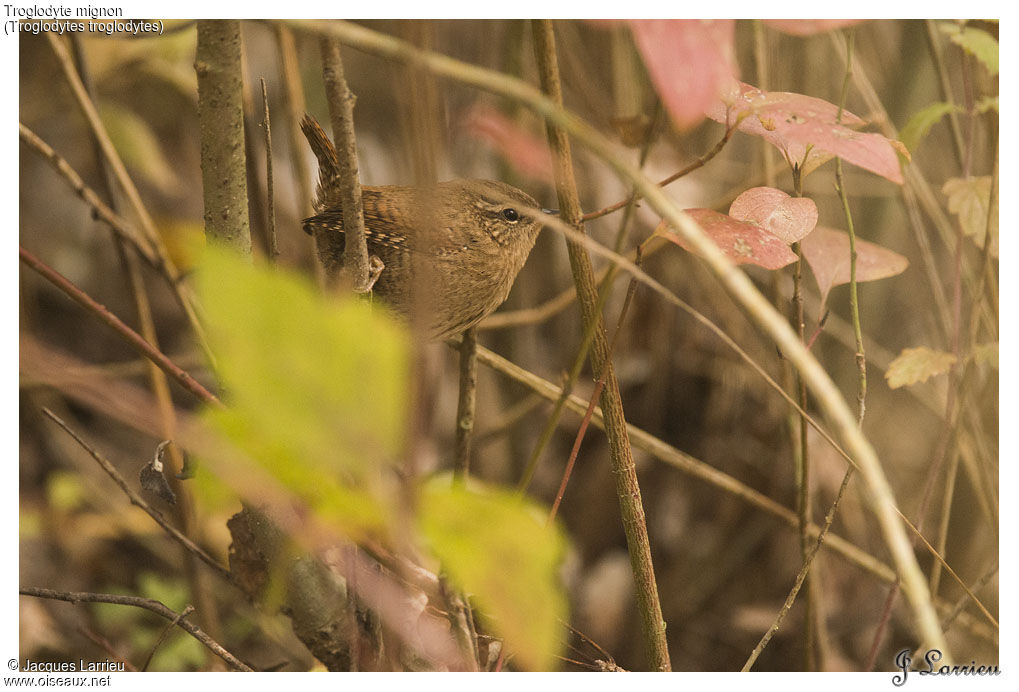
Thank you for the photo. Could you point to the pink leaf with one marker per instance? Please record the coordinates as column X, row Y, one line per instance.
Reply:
column 691, row 62
column 527, row 153
column 827, row 252
column 806, row 131
column 806, row 27
column 790, row 218
column 743, row 243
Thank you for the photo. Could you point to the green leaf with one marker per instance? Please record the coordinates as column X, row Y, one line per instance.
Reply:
column 987, row 103
column 498, row 549
column 977, row 42
column 918, row 364
column 140, row 147
column 969, row 198
column 315, row 387
column 922, row 122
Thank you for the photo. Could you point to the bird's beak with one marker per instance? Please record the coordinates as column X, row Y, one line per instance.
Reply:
column 553, row 212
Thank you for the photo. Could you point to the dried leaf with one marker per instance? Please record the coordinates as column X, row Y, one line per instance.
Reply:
column 986, row 353
column 790, row 218
column 827, row 252
column 806, row 130
column 807, row 27
column 691, row 62
column 969, row 198
column 918, row 364
column 741, row 242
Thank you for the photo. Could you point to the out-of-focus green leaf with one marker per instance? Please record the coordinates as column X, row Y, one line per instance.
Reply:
column 976, row 42
column 315, row 387
column 987, row 103
column 969, row 198
column 922, row 122
column 139, row 146
column 499, row 550
column 65, row 492
column 918, row 364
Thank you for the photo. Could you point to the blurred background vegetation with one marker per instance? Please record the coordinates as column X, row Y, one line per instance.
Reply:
column 724, row 567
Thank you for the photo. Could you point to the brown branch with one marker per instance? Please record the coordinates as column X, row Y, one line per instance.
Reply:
column 270, row 193
column 672, row 178
column 627, row 488
column 149, row 604
column 465, row 403
column 138, row 501
column 100, row 210
column 132, row 337
column 221, row 130
column 91, row 114
column 341, row 114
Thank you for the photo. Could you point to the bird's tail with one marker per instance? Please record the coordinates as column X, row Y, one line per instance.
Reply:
column 328, row 162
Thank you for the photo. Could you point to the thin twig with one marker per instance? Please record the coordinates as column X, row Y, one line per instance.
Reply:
column 100, row 210
column 148, row 228
column 804, row 570
column 138, row 501
column 685, row 463
column 270, row 186
column 703, row 159
column 630, row 291
column 149, row 604
column 465, row 403
column 624, row 469
column 132, row 337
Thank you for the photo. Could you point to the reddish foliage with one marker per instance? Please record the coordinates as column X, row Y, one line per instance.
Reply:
column 827, row 252
column 691, row 62
column 743, row 243
column 807, row 132
column 527, row 153
column 790, row 218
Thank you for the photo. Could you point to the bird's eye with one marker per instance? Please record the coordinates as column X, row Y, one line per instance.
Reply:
column 510, row 214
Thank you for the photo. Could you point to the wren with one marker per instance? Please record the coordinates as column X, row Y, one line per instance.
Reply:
column 466, row 239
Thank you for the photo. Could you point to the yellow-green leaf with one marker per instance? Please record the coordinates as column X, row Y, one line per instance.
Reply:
column 918, row 364
column 976, row 42
column 498, row 549
column 969, row 198
column 922, row 122
column 315, row 387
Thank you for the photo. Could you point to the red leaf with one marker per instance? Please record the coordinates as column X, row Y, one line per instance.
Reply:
column 691, row 62
column 827, row 252
column 806, row 27
column 743, row 243
column 805, row 130
column 790, row 218
column 524, row 151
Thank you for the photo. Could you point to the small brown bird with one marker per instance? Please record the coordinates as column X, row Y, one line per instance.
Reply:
column 464, row 241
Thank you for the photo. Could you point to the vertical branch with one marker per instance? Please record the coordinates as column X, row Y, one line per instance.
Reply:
column 270, row 185
column 221, row 130
column 295, row 107
column 627, row 488
column 341, row 113
column 465, row 402
column 803, row 458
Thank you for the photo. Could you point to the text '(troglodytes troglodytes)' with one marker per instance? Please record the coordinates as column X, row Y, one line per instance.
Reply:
column 462, row 240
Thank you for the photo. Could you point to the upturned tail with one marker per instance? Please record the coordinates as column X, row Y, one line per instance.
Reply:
column 328, row 162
